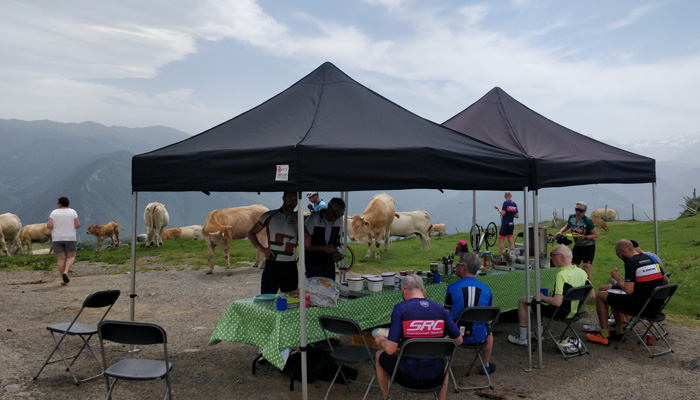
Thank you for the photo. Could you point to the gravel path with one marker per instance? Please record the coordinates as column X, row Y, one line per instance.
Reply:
column 188, row 303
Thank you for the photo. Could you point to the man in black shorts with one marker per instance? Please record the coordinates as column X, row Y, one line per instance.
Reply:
column 642, row 275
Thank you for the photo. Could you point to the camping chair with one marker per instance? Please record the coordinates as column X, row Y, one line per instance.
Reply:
column 429, row 348
column 652, row 323
column 350, row 354
column 468, row 317
column 135, row 333
column 103, row 299
column 577, row 347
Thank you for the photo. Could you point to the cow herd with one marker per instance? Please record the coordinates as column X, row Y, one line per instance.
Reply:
column 378, row 222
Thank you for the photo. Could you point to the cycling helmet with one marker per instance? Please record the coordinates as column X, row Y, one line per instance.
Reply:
column 569, row 345
column 311, row 194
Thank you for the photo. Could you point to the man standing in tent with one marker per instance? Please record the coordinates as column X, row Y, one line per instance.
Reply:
column 508, row 212
column 584, row 233
column 322, row 239
column 280, row 271
column 317, row 203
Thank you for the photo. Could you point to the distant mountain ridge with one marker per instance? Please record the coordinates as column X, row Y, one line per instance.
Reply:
column 91, row 164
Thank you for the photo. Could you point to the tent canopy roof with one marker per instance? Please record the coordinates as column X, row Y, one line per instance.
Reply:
column 333, row 134
column 562, row 157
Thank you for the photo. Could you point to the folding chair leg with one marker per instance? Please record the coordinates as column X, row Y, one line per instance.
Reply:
column 481, row 362
column 340, row 367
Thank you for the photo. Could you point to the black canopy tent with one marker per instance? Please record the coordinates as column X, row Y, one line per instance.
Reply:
column 560, row 156
column 330, row 133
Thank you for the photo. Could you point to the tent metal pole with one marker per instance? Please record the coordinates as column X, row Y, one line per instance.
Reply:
column 132, row 295
column 656, row 221
column 302, row 298
column 536, row 267
column 526, row 242
column 475, row 238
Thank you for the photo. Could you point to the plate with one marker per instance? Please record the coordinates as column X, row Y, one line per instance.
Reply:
column 616, row 291
column 265, row 297
column 385, row 332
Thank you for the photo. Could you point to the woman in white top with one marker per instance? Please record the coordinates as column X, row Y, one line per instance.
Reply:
column 63, row 222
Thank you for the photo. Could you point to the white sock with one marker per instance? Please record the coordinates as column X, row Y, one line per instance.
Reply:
column 523, row 331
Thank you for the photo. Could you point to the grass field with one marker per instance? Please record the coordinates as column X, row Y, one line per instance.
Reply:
column 679, row 248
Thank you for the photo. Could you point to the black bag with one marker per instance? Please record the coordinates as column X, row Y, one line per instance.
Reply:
column 320, row 365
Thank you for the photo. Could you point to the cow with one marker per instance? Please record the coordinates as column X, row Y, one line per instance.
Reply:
column 156, row 218
column 185, row 232
column 171, row 233
column 102, row 232
column 438, row 229
column 222, row 226
column 407, row 223
column 600, row 223
column 10, row 225
column 33, row 233
column 604, row 214
column 374, row 224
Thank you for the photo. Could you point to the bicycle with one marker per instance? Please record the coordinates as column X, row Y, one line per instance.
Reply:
column 479, row 236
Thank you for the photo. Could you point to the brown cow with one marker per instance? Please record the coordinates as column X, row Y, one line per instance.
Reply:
column 34, row 233
column 172, row 233
column 438, row 229
column 10, row 225
column 600, row 223
column 374, row 224
column 101, row 232
column 228, row 224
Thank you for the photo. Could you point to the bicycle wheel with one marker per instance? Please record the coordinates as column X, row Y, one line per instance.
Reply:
column 349, row 258
column 475, row 236
column 491, row 235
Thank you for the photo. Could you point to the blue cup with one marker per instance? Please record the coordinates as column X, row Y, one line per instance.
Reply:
column 436, row 277
column 281, row 304
column 544, row 291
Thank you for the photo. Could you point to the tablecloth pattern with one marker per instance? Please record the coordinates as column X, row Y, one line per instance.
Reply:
column 261, row 324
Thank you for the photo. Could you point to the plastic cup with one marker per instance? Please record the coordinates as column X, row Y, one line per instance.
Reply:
column 281, row 304
column 436, row 278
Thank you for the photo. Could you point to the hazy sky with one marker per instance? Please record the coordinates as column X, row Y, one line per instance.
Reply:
column 621, row 70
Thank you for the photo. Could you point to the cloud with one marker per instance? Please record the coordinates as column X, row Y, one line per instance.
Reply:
column 634, row 15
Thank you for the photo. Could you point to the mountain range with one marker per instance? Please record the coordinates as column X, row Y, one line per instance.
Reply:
column 91, row 164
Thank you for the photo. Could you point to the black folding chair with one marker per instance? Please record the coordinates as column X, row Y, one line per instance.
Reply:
column 135, row 333
column 350, row 354
column 103, row 299
column 469, row 317
column 579, row 294
column 432, row 348
column 652, row 323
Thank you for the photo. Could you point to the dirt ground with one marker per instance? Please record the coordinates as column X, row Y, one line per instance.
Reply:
column 189, row 303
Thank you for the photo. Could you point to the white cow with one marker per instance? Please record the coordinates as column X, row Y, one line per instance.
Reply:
column 10, row 225
column 192, row 232
column 156, row 218
column 412, row 223
column 228, row 224
column 374, row 223
column 438, row 229
column 33, row 233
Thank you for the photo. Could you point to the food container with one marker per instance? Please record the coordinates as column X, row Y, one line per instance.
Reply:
column 366, row 277
column 433, row 266
column 425, row 279
column 487, row 259
column 356, row 284
column 403, row 273
column 388, row 278
column 375, row 283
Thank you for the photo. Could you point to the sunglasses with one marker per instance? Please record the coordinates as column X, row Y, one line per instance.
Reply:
column 580, row 210
column 552, row 254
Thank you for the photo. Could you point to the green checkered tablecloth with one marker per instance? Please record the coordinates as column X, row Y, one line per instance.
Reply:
column 260, row 324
